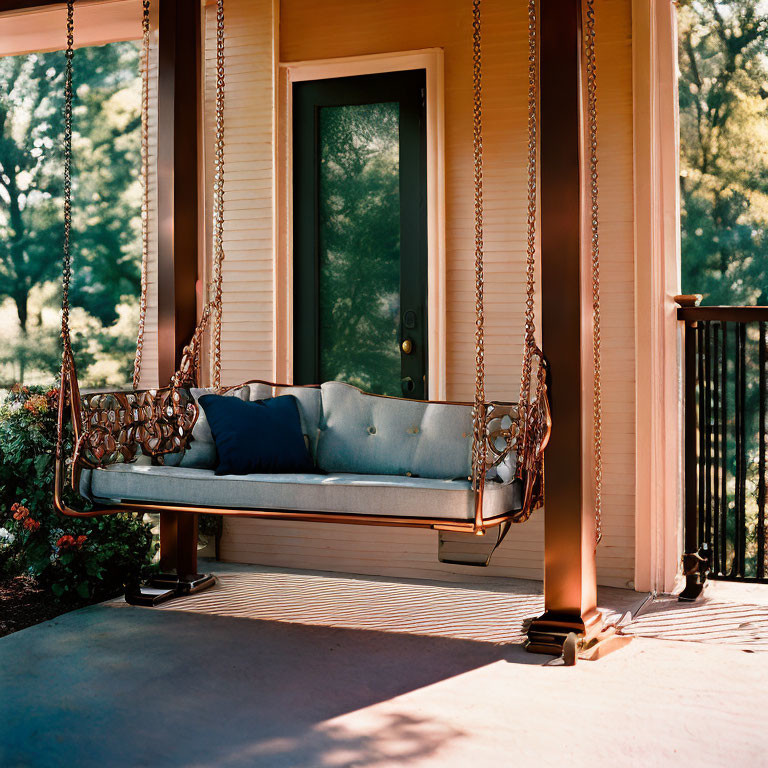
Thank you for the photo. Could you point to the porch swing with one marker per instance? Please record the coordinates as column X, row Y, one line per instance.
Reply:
column 448, row 466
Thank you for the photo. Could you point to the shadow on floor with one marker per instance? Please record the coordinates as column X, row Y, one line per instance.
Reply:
column 707, row 620
column 112, row 685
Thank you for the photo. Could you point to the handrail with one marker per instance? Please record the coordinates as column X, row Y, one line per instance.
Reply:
column 724, row 314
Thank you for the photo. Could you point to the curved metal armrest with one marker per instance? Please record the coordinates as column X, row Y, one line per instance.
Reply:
column 112, row 427
column 521, row 430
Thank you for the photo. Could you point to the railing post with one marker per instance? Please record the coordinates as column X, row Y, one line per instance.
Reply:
column 695, row 566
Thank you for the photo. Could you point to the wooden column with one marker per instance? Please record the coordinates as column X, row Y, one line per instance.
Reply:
column 570, row 586
column 179, row 110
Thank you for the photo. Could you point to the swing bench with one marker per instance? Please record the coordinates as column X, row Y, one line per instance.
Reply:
column 449, row 466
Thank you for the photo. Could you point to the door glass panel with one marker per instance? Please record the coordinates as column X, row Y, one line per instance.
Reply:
column 359, row 245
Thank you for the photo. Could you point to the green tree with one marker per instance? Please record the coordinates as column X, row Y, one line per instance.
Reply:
column 724, row 149
column 106, row 146
column 723, row 91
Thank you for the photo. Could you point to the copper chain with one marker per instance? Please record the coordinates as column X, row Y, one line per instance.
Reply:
column 218, row 196
column 214, row 305
column 530, row 329
column 66, row 269
column 530, row 268
column 478, row 440
column 597, row 402
column 144, row 193
column 66, row 265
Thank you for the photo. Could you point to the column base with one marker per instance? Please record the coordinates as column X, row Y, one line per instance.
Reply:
column 548, row 633
column 166, row 586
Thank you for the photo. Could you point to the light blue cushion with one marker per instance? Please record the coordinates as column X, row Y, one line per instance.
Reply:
column 201, row 431
column 367, row 434
column 198, row 454
column 345, row 494
column 349, row 431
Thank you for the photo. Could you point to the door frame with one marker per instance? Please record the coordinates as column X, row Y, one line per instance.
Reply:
column 430, row 60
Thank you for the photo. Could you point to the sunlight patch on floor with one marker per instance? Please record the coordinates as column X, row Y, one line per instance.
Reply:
column 495, row 614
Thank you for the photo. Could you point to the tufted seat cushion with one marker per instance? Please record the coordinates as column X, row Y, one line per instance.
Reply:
column 369, row 434
column 378, row 495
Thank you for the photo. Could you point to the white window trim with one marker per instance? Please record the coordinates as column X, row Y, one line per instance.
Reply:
column 659, row 475
column 430, row 60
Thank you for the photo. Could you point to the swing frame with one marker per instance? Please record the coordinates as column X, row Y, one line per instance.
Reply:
column 159, row 422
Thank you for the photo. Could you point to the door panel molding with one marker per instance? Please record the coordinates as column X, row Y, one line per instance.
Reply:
column 430, row 60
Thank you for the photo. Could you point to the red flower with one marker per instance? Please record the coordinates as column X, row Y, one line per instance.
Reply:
column 20, row 512
column 66, row 542
column 31, row 525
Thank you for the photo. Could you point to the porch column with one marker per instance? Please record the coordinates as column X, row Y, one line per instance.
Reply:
column 570, row 586
column 179, row 110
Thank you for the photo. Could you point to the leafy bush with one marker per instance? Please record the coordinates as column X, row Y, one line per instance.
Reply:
column 78, row 559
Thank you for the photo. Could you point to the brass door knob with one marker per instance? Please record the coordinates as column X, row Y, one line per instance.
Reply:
column 407, row 346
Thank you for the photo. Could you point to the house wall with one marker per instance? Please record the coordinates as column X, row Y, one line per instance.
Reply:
column 151, row 353
column 317, row 29
column 247, row 324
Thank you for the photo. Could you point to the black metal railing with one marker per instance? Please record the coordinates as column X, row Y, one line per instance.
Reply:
column 725, row 443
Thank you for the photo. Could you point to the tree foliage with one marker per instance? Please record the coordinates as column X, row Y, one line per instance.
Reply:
column 106, row 147
column 723, row 88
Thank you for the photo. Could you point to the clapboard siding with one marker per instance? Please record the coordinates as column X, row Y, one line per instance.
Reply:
column 151, row 353
column 318, row 29
column 365, row 549
column 247, row 347
column 615, row 556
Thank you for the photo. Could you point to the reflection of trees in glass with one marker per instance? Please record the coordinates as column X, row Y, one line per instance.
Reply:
column 723, row 88
column 359, row 234
column 106, row 208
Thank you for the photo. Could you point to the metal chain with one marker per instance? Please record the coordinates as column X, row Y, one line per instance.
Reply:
column 597, row 404
column 66, row 269
column 218, row 196
column 66, row 266
column 530, row 271
column 190, row 362
column 478, row 440
column 144, row 193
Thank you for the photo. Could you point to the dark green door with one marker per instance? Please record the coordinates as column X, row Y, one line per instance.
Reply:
column 360, row 232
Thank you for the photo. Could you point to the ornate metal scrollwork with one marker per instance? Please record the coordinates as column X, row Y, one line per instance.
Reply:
column 516, row 434
column 117, row 425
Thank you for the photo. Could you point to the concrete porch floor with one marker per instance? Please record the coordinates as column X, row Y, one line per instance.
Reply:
column 309, row 670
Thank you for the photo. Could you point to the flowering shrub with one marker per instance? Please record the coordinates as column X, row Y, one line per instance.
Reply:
column 76, row 558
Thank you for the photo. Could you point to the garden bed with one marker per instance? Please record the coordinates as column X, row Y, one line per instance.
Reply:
column 24, row 603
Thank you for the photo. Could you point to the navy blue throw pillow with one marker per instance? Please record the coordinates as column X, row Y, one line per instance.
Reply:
column 263, row 436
